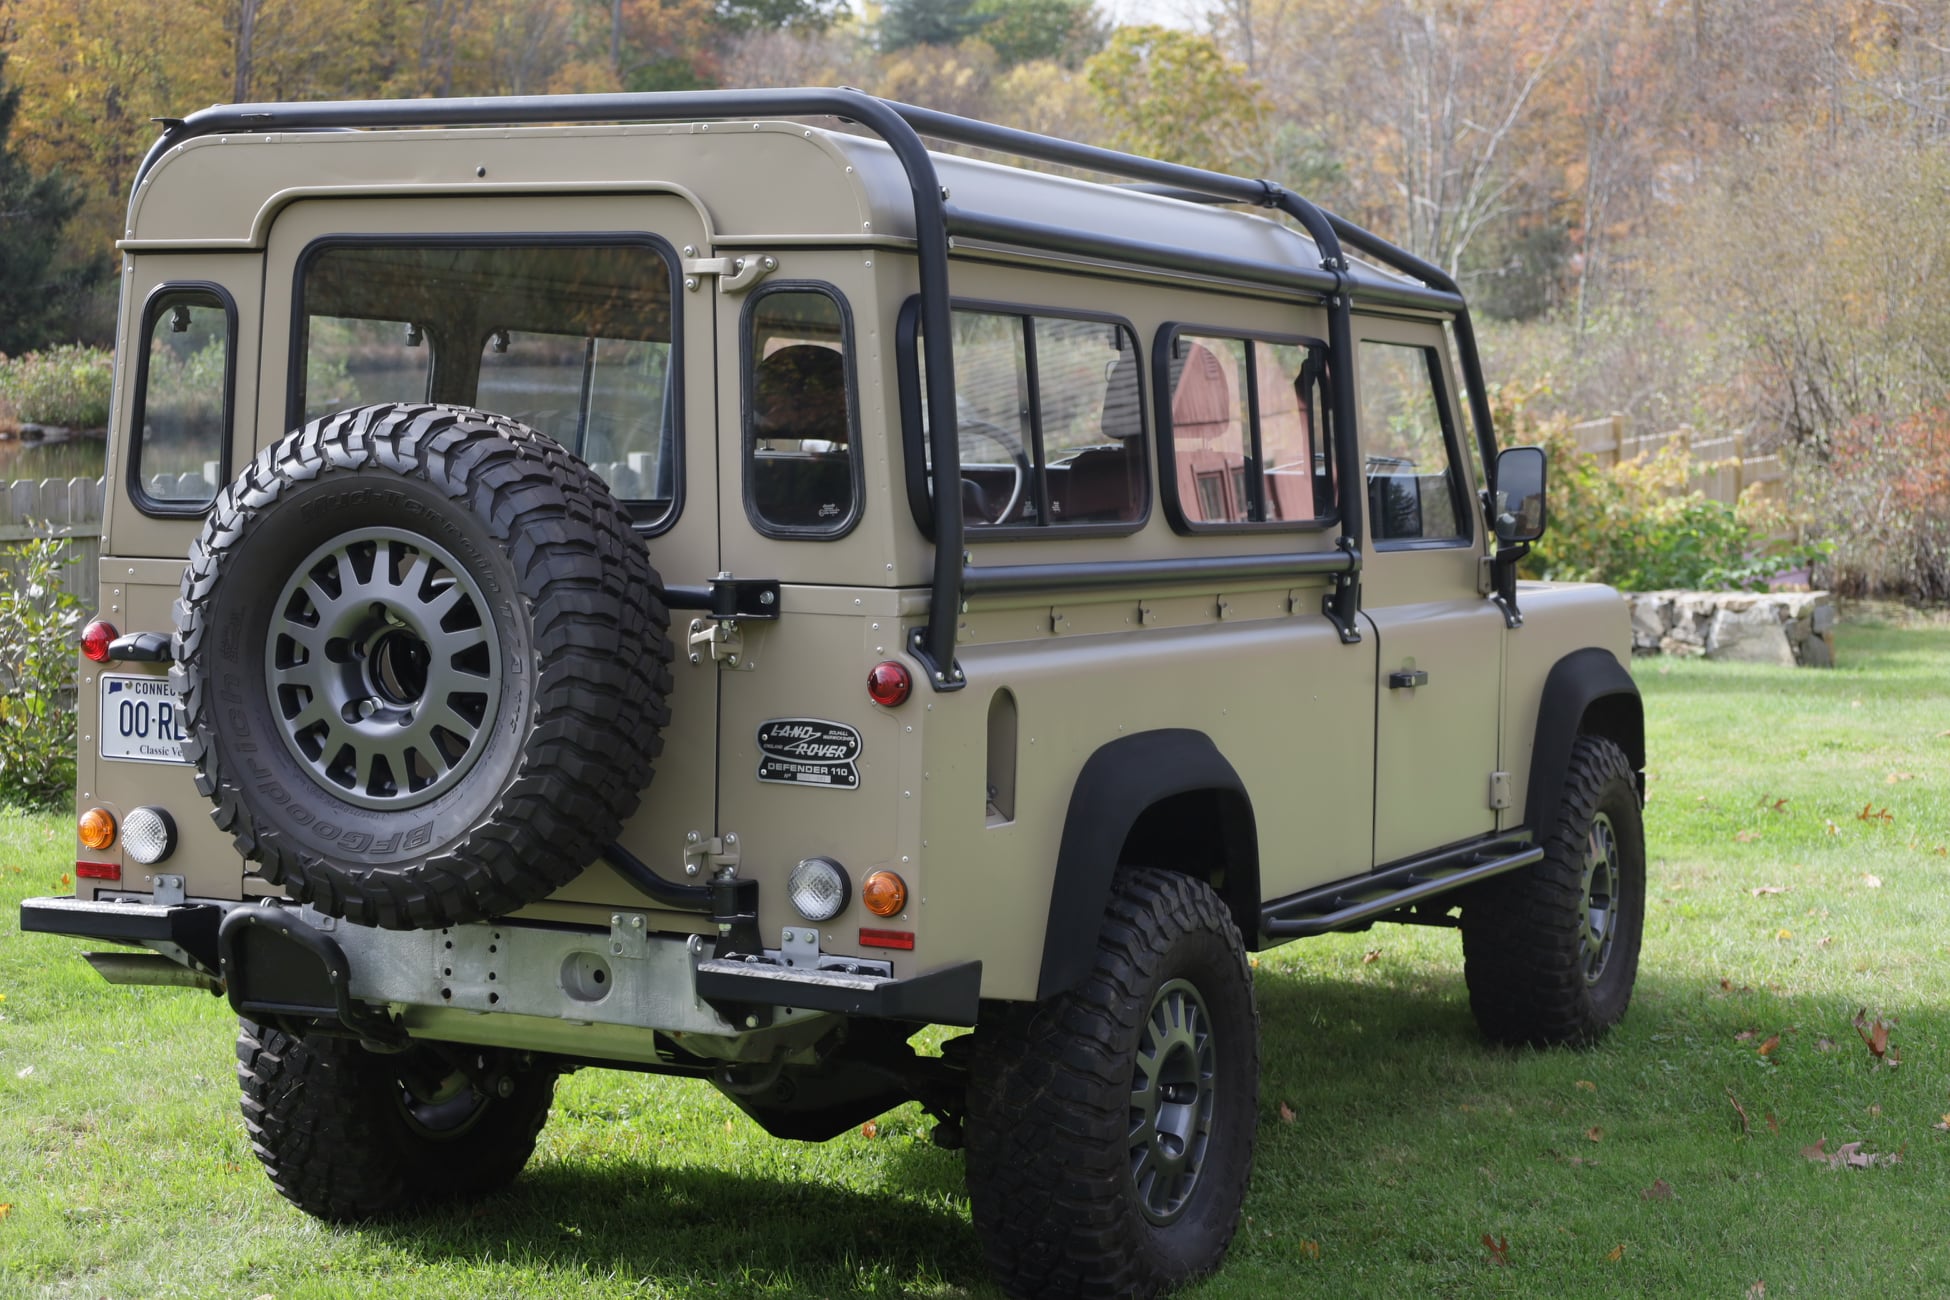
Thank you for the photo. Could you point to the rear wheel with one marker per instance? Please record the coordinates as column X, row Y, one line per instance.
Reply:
column 1110, row 1130
column 1550, row 953
column 347, row 1133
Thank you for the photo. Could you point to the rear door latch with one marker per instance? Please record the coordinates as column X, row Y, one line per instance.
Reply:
column 735, row 274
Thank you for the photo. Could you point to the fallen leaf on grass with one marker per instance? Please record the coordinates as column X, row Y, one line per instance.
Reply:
column 1252, row 960
column 1942, row 1125
column 1595, row 1134
column 1661, row 1190
column 1587, row 1085
column 1824, row 941
column 1783, row 934
column 1746, row 1034
column 1286, row 1113
column 1824, row 1044
column 1767, row 1048
column 1616, row 1253
column 1873, row 882
column 1757, row 1291
column 1850, row 1155
column 1875, row 1036
column 1878, row 815
column 65, row 880
column 1371, row 956
column 869, row 1129
column 1778, row 806
column 1773, row 1125
column 1833, row 829
column 1746, row 837
column 1745, row 1126
column 6, row 1208
column 1499, row 1248
column 1874, row 1109
column 1310, row 1249
column 1895, row 777
column 23, row 1072
column 1762, row 891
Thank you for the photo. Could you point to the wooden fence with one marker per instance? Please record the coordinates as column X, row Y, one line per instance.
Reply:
column 57, row 507
column 1733, row 467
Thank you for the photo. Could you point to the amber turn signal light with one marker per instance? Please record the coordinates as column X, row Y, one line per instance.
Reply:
column 96, row 638
column 96, row 829
column 884, row 893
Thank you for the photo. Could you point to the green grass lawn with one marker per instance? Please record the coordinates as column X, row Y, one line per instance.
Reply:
column 1625, row 1170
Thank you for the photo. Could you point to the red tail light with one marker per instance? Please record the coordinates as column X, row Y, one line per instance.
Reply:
column 96, row 638
column 888, row 684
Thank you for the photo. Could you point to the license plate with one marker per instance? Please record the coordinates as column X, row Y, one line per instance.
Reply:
column 141, row 719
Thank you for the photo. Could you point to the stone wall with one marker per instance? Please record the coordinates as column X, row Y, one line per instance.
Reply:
column 1787, row 628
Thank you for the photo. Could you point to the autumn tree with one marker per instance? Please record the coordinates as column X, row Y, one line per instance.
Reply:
column 34, row 208
column 1173, row 95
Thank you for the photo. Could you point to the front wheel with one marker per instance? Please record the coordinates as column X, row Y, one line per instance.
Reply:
column 347, row 1133
column 1110, row 1130
column 1550, row 953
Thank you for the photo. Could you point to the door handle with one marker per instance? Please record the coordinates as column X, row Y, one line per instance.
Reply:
column 1409, row 677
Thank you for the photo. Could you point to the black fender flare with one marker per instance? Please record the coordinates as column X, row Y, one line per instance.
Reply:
column 1588, row 692
column 1117, row 785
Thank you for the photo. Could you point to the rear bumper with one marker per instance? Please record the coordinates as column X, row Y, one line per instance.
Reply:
column 277, row 960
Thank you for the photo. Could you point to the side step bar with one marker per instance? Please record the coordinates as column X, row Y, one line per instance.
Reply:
column 1347, row 903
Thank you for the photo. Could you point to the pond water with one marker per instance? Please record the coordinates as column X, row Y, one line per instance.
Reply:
column 52, row 458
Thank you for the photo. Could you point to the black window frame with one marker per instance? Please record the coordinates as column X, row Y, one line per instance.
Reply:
column 294, row 389
column 1458, row 489
column 747, row 437
column 1168, row 335
column 913, row 442
column 157, row 507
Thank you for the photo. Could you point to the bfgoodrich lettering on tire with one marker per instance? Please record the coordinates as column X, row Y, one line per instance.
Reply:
column 423, row 662
column 1550, row 953
column 1110, row 1129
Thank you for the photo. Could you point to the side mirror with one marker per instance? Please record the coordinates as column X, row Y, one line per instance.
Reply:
column 1519, row 495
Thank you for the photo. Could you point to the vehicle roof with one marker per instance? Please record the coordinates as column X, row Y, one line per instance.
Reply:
column 224, row 190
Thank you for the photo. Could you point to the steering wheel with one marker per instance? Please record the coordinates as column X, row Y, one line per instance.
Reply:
column 1018, row 461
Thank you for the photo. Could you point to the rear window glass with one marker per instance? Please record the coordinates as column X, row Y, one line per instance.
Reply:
column 183, row 409
column 574, row 341
column 801, row 477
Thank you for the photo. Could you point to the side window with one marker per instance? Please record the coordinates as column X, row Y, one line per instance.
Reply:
column 1051, row 420
column 574, row 340
column 801, row 477
column 1414, row 492
column 1246, row 432
column 182, row 409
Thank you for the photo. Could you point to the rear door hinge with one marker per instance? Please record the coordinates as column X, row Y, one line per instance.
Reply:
column 1499, row 790
column 722, row 641
column 735, row 274
column 711, row 856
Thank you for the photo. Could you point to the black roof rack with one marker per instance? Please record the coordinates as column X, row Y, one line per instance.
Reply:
column 937, row 222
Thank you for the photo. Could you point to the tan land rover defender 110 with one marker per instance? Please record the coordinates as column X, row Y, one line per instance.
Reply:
column 701, row 584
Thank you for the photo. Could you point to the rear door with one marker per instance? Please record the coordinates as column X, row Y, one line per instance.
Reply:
column 584, row 333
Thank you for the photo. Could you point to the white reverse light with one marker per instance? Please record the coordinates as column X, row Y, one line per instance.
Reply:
column 148, row 835
column 818, row 886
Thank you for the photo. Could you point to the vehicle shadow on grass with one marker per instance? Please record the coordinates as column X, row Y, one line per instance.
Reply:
column 691, row 1229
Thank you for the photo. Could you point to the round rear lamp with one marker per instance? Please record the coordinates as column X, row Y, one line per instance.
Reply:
column 148, row 835
column 884, row 893
column 819, row 888
column 96, row 829
column 888, row 684
column 96, row 639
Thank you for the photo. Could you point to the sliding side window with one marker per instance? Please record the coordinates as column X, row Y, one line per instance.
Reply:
column 801, row 476
column 183, row 399
column 1414, row 491
column 1244, row 435
column 1051, row 418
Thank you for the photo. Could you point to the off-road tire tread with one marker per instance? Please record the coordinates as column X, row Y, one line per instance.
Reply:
column 1048, row 1107
column 601, row 646
column 319, row 1116
column 1521, row 948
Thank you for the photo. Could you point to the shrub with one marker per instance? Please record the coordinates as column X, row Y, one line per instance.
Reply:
column 66, row 386
column 38, row 625
column 1882, row 492
column 1640, row 525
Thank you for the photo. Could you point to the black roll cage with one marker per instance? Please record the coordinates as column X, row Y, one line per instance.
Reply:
column 936, row 224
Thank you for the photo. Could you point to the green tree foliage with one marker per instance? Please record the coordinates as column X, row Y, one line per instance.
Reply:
column 33, row 210
column 38, row 624
column 1021, row 31
column 926, row 22
column 1174, row 95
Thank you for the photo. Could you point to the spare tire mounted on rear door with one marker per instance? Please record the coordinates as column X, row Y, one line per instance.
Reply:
column 424, row 662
